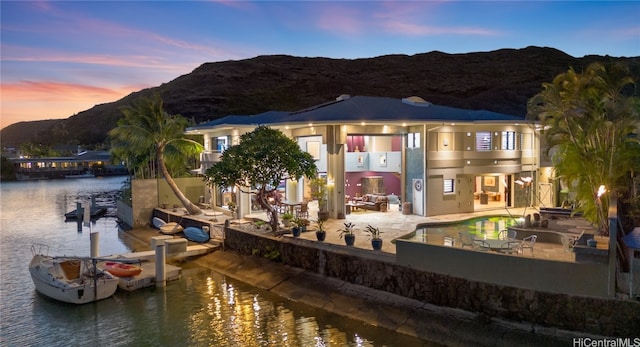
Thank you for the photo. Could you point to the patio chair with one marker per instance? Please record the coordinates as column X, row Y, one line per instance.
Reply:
column 465, row 240
column 481, row 245
column 302, row 211
column 507, row 234
column 528, row 243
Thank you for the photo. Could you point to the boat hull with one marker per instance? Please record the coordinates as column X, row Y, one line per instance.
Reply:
column 50, row 279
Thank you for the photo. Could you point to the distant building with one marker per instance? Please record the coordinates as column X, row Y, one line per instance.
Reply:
column 96, row 163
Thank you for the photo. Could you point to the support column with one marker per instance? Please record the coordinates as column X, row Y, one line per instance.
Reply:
column 335, row 170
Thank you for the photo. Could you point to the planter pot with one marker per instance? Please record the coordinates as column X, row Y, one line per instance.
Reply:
column 349, row 239
column 295, row 231
column 303, row 229
column 321, row 235
column 286, row 222
column 592, row 242
column 376, row 244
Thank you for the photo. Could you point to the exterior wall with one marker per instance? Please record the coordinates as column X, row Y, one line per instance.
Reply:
column 147, row 194
column 379, row 270
column 192, row 187
column 536, row 274
column 124, row 213
column 144, row 198
column 461, row 202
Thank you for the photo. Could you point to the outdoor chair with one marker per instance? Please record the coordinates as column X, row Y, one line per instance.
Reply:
column 528, row 243
column 302, row 211
column 507, row 234
column 465, row 240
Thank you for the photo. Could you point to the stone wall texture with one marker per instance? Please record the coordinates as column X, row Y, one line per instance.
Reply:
column 378, row 270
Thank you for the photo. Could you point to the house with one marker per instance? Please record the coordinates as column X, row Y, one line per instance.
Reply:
column 426, row 158
column 98, row 163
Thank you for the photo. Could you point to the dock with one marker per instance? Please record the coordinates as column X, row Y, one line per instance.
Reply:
column 95, row 211
column 175, row 248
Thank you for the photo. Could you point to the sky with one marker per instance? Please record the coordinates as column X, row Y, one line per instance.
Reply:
column 59, row 58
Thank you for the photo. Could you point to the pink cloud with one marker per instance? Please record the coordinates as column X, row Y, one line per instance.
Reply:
column 37, row 100
column 426, row 30
column 341, row 19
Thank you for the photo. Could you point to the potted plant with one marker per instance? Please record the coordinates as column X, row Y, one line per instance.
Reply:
column 286, row 218
column 298, row 223
column 347, row 233
column 319, row 192
column 374, row 234
column 321, row 234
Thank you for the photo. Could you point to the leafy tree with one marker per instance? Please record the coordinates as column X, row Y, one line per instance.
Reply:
column 262, row 159
column 146, row 126
column 591, row 126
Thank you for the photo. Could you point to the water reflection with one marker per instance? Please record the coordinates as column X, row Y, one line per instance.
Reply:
column 203, row 308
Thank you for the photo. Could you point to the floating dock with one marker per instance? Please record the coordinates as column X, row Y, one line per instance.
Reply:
column 175, row 248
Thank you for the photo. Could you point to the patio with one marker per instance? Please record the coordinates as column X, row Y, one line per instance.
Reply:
column 394, row 224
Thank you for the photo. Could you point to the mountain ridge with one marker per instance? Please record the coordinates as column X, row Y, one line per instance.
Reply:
column 500, row 81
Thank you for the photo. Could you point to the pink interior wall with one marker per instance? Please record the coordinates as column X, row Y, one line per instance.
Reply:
column 353, row 141
column 391, row 182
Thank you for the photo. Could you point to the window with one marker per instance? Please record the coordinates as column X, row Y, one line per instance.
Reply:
column 413, row 140
column 483, row 141
column 448, row 186
column 221, row 143
column 508, row 140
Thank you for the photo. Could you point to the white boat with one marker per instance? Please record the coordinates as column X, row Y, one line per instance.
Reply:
column 171, row 228
column 74, row 280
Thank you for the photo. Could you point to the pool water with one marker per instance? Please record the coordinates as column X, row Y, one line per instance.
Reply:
column 489, row 226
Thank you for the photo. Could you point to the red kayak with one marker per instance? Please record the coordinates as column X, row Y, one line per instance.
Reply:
column 122, row 270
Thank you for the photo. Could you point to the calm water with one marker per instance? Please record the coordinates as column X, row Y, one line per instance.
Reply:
column 203, row 308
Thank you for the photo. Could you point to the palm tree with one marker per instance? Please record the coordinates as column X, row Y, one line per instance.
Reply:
column 590, row 128
column 147, row 126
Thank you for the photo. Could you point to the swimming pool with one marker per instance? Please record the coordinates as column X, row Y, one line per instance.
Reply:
column 488, row 226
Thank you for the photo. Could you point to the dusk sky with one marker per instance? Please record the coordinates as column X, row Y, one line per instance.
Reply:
column 63, row 57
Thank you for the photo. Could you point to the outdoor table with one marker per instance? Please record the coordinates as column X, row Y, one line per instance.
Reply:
column 500, row 245
column 291, row 205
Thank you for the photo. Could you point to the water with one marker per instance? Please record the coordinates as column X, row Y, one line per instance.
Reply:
column 203, row 308
column 489, row 226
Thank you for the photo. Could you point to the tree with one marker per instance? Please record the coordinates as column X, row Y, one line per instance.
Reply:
column 262, row 159
column 591, row 126
column 146, row 126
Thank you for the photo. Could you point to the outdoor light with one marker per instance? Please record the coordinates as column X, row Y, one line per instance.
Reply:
column 601, row 190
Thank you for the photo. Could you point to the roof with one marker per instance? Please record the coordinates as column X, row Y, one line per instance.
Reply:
column 364, row 108
column 258, row 119
column 369, row 108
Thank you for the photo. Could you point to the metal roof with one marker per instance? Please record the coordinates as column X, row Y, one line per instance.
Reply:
column 371, row 109
column 363, row 108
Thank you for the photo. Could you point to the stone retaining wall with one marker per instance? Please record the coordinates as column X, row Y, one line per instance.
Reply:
column 378, row 270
